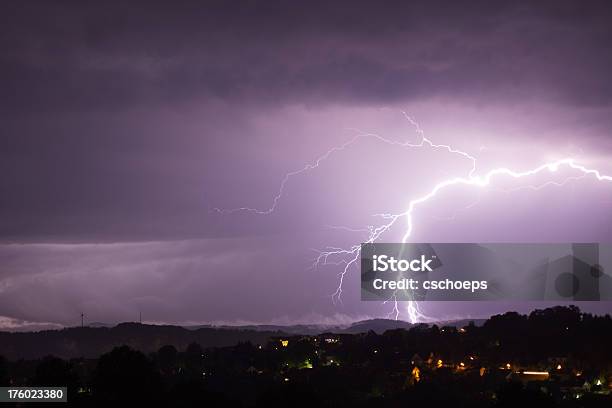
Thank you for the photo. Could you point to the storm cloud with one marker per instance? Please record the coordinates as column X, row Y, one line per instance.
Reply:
column 84, row 56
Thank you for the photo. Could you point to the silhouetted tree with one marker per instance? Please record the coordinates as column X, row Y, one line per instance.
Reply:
column 125, row 376
column 53, row 371
column 167, row 359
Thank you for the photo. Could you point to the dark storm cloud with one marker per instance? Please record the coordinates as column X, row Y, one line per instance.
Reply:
column 89, row 55
column 122, row 116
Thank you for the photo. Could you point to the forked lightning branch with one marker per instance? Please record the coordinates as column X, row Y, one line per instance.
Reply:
column 349, row 256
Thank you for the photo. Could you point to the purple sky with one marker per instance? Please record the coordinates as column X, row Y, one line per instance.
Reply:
column 124, row 125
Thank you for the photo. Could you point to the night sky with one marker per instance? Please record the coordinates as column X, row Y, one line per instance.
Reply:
column 123, row 126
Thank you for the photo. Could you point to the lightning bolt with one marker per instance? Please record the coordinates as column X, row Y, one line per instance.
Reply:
column 350, row 256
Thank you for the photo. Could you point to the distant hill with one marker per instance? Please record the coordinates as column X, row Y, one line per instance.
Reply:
column 99, row 324
column 377, row 325
column 98, row 338
column 90, row 342
column 305, row 329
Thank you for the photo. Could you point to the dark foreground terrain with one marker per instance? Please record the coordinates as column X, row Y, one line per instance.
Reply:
column 553, row 357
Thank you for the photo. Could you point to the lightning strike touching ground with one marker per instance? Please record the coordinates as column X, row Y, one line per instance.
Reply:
column 349, row 256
